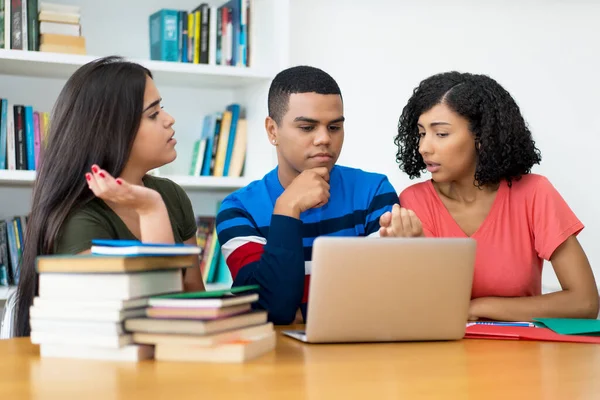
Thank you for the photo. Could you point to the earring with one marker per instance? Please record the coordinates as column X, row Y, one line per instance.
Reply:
column 274, row 141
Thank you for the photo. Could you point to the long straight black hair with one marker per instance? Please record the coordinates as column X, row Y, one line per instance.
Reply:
column 94, row 121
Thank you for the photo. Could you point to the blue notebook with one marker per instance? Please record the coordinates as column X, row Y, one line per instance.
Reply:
column 137, row 248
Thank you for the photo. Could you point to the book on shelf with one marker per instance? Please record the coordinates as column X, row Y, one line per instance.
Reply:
column 221, row 148
column 11, row 248
column 213, row 265
column 41, row 26
column 23, row 134
column 207, row 34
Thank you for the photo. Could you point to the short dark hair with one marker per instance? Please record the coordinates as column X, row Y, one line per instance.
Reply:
column 504, row 145
column 299, row 79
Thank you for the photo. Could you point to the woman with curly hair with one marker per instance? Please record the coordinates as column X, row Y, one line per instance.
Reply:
column 468, row 132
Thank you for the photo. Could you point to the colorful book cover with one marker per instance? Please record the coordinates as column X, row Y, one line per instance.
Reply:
column 164, row 35
column 30, row 138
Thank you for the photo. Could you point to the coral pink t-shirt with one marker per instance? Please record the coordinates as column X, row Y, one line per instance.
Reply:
column 526, row 223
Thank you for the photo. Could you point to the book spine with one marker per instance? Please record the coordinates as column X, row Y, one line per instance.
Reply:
column 197, row 30
column 37, row 136
column 7, row 23
column 183, row 22
column 24, row 25
column 20, row 144
column 154, row 24
column 19, row 243
column 179, row 36
column 235, row 115
column 194, row 157
column 11, row 153
column 4, row 261
column 2, row 14
column 219, row 52
column 204, row 26
column 33, row 30
column 170, row 35
column 243, row 55
column 12, row 250
column 215, row 146
column 16, row 24
column 212, row 36
column 30, row 138
column 234, row 18
column 248, row 32
column 191, row 38
column 3, row 132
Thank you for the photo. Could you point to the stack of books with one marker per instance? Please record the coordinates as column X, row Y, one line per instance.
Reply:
column 84, row 299
column 60, row 29
column 214, row 326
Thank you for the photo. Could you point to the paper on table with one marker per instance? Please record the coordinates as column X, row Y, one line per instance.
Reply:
column 570, row 326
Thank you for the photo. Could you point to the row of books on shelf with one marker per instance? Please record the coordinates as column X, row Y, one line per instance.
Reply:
column 48, row 28
column 206, row 35
column 132, row 307
column 221, row 148
column 11, row 247
column 22, row 134
column 212, row 263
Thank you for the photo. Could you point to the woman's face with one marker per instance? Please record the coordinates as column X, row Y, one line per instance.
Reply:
column 154, row 144
column 446, row 144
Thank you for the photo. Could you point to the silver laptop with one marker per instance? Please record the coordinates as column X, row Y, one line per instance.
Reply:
column 388, row 289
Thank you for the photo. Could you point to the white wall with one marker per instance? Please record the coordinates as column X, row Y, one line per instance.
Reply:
column 544, row 52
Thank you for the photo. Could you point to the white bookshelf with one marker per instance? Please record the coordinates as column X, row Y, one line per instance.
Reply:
column 26, row 178
column 189, row 91
column 61, row 66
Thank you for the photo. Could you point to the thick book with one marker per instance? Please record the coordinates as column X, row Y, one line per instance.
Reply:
column 89, row 315
column 206, row 340
column 164, row 35
column 195, row 327
column 196, row 313
column 101, row 341
column 92, row 304
column 74, row 327
column 234, row 352
column 132, row 352
column 110, row 264
column 79, row 287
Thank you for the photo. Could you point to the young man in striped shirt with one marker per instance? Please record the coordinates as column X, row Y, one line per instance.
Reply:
column 267, row 228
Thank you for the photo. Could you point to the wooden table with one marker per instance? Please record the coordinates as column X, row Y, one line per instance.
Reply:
column 467, row 369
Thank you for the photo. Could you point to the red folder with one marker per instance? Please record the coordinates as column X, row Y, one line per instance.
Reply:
column 524, row 333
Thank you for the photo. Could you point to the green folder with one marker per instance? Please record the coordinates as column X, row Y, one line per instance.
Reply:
column 570, row 326
column 208, row 294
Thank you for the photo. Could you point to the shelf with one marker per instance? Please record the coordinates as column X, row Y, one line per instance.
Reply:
column 5, row 291
column 26, row 178
column 56, row 65
column 16, row 178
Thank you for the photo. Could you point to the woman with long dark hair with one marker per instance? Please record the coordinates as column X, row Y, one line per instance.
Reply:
column 107, row 131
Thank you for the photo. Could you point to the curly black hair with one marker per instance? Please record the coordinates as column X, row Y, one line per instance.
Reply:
column 504, row 146
column 299, row 79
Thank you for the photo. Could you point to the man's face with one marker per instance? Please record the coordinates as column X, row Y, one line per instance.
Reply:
column 311, row 132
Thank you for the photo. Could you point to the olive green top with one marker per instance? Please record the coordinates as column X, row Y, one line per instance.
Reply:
column 96, row 220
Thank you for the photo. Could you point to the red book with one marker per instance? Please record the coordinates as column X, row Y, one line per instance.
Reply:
column 524, row 333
